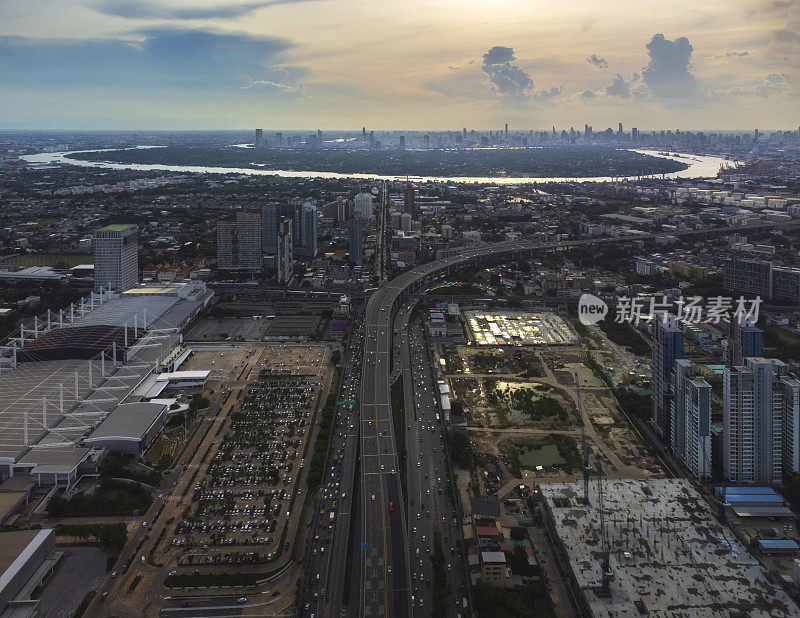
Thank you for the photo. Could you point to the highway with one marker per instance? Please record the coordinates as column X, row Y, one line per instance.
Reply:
column 385, row 569
column 330, row 535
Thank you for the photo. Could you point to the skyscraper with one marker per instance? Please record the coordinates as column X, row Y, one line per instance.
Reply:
column 259, row 141
column 116, row 257
column 269, row 228
column 355, row 227
column 239, row 244
column 408, row 199
column 306, row 215
column 667, row 347
column 690, row 418
column 761, row 422
column 285, row 251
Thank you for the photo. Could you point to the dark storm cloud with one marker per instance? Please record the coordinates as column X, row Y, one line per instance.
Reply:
column 145, row 9
column 597, row 61
column 164, row 59
column 507, row 78
column 668, row 74
column 619, row 87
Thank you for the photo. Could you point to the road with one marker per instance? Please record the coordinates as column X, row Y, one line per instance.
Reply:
column 431, row 500
column 330, row 538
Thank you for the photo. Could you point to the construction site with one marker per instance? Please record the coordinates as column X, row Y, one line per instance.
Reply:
column 652, row 547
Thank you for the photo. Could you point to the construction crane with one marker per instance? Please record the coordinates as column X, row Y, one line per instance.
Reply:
column 605, row 567
column 587, row 466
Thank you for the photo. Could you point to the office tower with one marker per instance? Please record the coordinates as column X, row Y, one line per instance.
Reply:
column 746, row 340
column 761, row 421
column 690, row 418
column 506, row 132
column 619, row 131
column 239, row 243
column 116, row 257
column 427, row 140
column 259, row 141
column 363, row 205
column 408, row 199
column 667, row 347
column 372, row 139
column 279, row 140
column 405, row 222
column 363, row 132
column 402, row 142
column 634, row 134
column 306, row 231
column 285, row 251
column 355, row 227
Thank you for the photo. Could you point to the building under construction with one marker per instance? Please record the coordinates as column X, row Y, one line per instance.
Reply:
column 667, row 555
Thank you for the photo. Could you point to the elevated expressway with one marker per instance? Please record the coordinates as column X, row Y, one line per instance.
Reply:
column 385, row 588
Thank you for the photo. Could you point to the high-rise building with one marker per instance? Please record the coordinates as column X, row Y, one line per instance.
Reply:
column 405, row 222
column 285, row 251
column 270, row 217
column 408, row 199
column 116, row 257
column 239, row 243
column 746, row 340
column 402, row 142
column 761, row 430
column 690, row 418
column 307, row 234
column 259, row 141
column 667, row 347
column 363, row 205
column 355, row 227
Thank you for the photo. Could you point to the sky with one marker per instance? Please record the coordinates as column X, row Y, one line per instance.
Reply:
column 399, row 64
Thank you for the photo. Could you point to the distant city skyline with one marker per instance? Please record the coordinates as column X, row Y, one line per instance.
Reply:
column 186, row 64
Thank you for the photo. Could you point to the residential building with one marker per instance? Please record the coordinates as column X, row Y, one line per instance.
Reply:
column 285, row 251
column 746, row 341
column 667, row 347
column 363, row 204
column 748, row 277
column 690, row 422
column 761, row 422
column 116, row 257
column 355, row 230
column 239, row 243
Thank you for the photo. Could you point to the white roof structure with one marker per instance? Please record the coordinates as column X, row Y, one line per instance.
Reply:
column 129, row 421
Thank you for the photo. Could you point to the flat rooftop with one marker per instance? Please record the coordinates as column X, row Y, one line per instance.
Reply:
column 129, row 420
column 667, row 552
column 518, row 328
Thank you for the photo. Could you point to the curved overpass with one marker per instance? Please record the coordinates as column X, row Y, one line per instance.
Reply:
column 384, row 564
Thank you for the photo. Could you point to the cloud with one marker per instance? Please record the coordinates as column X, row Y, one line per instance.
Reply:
column 619, row 87
column 597, row 61
column 734, row 54
column 773, row 84
column 507, row 78
column 785, row 35
column 162, row 58
column 668, row 74
column 147, row 9
column 547, row 95
column 588, row 94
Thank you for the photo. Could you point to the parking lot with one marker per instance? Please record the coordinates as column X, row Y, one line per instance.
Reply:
column 243, row 500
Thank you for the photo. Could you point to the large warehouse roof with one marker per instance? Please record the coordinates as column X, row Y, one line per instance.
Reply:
column 128, row 421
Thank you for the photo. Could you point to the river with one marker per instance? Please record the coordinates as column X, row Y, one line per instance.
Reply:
column 699, row 167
